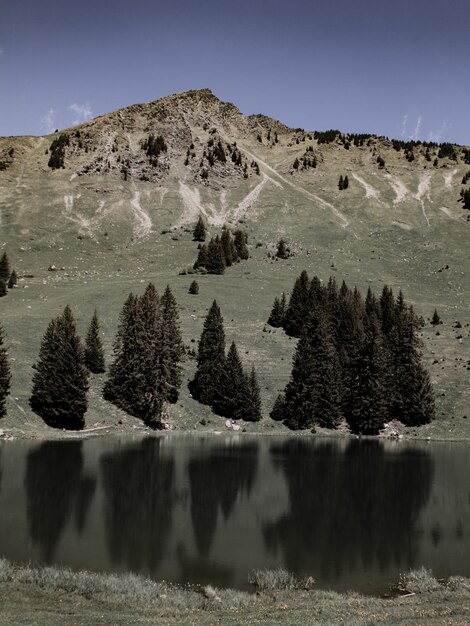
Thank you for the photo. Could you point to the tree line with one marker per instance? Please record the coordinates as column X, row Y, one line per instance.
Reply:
column 357, row 359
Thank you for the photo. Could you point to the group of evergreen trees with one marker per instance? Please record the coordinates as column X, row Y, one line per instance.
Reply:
column 5, row 375
column 356, row 359
column 222, row 252
column 220, row 380
column 343, row 183
column 148, row 349
column 8, row 277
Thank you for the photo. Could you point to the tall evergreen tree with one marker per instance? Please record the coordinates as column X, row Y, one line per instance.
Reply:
column 202, row 257
column 60, row 381
column 299, row 306
column 171, row 348
column 277, row 412
column 240, row 241
column 94, row 354
column 3, row 289
column 205, row 385
column 215, row 263
column 232, row 388
column 276, row 317
column 313, row 393
column 252, row 404
column 5, row 376
column 227, row 247
column 4, row 268
column 199, row 233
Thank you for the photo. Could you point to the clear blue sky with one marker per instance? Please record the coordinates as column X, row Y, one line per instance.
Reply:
column 393, row 67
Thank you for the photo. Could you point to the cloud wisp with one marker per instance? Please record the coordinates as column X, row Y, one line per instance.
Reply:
column 403, row 125
column 437, row 135
column 48, row 121
column 417, row 130
column 82, row 112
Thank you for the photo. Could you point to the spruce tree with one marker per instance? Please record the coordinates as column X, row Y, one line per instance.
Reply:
column 436, row 320
column 345, row 182
column 5, row 376
column 60, row 381
column 313, row 393
column 282, row 251
column 341, row 183
column 3, row 289
column 4, row 269
column 202, row 257
column 367, row 407
column 240, row 241
column 233, row 387
column 199, row 232
column 277, row 412
column 193, row 288
column 94, row 354
column 171, row 348
column 276, row 318
column 215, row 263
column 251, row 411
column 205, row 385
column 13, row 280
column 299, row 306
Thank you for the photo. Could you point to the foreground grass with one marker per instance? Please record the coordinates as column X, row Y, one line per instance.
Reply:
column 47, row 595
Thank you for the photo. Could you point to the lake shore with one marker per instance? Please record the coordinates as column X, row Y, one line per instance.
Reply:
column 47, row 595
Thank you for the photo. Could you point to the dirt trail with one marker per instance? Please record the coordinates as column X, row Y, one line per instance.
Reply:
column 370, row 191
column 398, row 187
column 342, row 220
column 249, row 200
column 423, row 190
column 192, row 205
column 143, row 223
column 448, row 178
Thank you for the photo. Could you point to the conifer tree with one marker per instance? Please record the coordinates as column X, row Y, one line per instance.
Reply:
column 299, row 306
column 13, row 280
column 194, row 288
column 171, row 347
column 367, row 407
column 60, row 381
column 233, row 387
column 282, row 251
column 215, row 263
column 276, row 317
column 341, row 183
column 199, row 233
column 345, row 182
column 3, row 289
column 205, row 385
column 5, row 376
column 202, row 257
column 313, row 393
column 240, row 241
column 94, row 354
column 435, row 318
column 4, row 268
column 277, row 412
column 251, row 411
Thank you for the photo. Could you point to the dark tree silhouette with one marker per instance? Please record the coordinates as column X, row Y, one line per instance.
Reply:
column 94, row 354
column 5, row 375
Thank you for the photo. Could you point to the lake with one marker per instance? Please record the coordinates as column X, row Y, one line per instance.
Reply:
column 351, row 513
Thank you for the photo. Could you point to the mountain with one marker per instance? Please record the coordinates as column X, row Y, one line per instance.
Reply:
column 112, row 202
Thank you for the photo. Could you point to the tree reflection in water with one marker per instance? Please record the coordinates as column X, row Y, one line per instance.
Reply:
column 358, row 507
column 138, row 483
column 55, row 488
column 216, row 480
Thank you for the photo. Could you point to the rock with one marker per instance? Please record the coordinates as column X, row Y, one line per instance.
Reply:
column 235, row 427
column 228, row 424
column 52, row 268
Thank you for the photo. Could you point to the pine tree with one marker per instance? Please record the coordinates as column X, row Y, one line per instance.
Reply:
column 313, row 393
column 251, row 411
column 94, row 354
column 215, row 263
column 341, row 183
column 205, row 385
column 345, row 182
column 233, row 387
column 171, row 348
column 194, row 288
column 199, row 232
column 367, row 407
column 282, row 251
column 277, row 412
column 13, row 280
column 276, row 317
column 5, row 376
column 4, row 269
column 60, row 381
column 240, row 241
column 3, row 289
column 435, row 318
column 299, row 306
column 202, row 257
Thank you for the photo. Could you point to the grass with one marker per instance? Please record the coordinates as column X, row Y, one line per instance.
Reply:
column 35, row 595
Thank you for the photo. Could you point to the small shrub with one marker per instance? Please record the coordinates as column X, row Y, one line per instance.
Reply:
column 194, row 288
column 273, row 579
column 418, row 581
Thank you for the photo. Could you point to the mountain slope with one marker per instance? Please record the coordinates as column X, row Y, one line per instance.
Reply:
column 119, row 212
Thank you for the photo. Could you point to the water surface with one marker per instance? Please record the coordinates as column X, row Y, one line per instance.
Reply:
column 352, row 514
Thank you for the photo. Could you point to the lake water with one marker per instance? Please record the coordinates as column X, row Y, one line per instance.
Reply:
column 352, row 514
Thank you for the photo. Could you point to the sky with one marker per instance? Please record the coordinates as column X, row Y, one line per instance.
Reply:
column 398, row 68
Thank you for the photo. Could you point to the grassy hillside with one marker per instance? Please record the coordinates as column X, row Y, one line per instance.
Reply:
column 110, row 232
